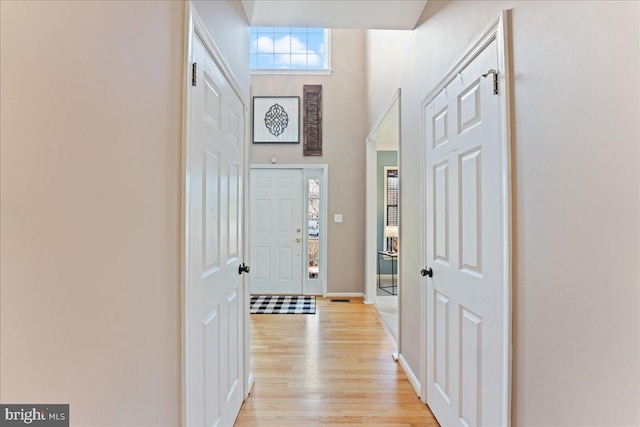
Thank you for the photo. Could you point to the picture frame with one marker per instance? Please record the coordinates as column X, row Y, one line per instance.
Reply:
column 276, row 120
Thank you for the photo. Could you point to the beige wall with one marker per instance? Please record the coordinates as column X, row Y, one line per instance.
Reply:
column 344, row 131
column 91, row 135
column 576, row 191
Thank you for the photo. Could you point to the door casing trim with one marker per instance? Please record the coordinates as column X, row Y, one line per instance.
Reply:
column 498, row 31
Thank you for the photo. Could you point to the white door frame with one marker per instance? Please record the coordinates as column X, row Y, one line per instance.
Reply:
column 195, row 26
column 324, row 197
column 371, row 208
column 498, row 31
column 371, row 214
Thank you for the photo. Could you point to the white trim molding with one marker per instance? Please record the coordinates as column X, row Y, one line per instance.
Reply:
column 371, row 221
column 413, row 379
column 251, row 381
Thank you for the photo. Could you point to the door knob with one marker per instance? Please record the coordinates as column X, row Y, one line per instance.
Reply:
column 426, row 272
column 298, row 240
column 243, row 268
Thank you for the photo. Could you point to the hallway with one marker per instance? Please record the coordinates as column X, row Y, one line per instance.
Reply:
column 331, row 368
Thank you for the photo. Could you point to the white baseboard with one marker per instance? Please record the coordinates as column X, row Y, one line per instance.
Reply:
column 344, row 295
column 410, row 375
column 250, row 383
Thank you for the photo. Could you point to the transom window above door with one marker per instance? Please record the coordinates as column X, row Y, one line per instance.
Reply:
column 289, row 50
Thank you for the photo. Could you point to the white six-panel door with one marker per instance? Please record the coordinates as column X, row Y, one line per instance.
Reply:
column 465, row 362
column 214, row 291
column 276, row 231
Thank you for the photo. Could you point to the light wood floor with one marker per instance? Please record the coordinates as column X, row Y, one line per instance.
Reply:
column 331, row 368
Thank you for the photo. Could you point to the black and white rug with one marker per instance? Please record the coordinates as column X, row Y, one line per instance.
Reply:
column 282, row 304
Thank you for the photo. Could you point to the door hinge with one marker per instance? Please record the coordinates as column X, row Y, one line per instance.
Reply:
column 194, row 74
column 495, row 79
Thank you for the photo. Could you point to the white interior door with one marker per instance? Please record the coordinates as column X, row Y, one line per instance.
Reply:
column 465, row 251
column 214, row 292
column 276, row 231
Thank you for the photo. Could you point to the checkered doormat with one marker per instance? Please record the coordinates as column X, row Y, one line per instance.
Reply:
column 281, row 304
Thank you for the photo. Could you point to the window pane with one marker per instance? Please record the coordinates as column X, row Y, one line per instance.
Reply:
column 315, row 62
column 299, row 61
column 392, row 215
column 253, row 40
column 314, row 188
column 314, row 229
column 282, row 43
column 315, row 43
column 299, row 30
column 265, row 60
column 313, row 240
column 282, row 61
column 264, row 44
column 314, row 269
column 314, row 209
column 314, row 248
column 392, row 191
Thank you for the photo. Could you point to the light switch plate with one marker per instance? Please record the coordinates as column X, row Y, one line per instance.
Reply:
column 337, row 218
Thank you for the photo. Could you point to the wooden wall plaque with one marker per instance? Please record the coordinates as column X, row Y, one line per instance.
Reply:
column 312, row 119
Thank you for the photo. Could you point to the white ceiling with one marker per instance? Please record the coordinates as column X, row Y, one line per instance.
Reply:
column 373, row 14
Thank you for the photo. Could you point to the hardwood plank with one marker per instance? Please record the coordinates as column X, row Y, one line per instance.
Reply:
column 331, row 368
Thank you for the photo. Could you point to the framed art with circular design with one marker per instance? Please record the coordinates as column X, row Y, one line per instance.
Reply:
column 276, row 119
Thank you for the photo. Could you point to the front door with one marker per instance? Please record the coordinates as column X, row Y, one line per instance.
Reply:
column 276, row 231
column 214, row 291
column 465, row 249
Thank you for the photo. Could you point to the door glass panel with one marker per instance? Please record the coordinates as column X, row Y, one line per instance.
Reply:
column 314, row 209
column 314, row 249
column 313, row 222
column 314, row 188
